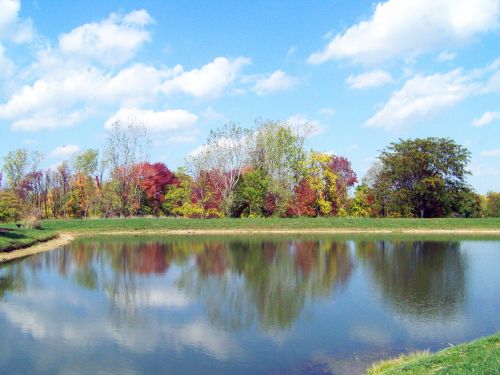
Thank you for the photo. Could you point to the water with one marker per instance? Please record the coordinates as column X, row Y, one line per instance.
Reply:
column 243, row 305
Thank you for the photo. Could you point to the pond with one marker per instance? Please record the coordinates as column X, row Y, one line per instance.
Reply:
column 243, row 305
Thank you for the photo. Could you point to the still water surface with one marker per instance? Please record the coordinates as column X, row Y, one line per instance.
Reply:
column 242, row 305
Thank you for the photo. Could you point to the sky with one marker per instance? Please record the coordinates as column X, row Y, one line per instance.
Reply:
column 361, row 74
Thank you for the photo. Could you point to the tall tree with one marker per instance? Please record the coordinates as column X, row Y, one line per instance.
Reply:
column 126, row 146
column 18, row 163
column 424, row 175
column 223, row 155
column 86, row 162
column 279, row 154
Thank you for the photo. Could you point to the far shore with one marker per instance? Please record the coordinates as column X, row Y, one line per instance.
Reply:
column 66, row 236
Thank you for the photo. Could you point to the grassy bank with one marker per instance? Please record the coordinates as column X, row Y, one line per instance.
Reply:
column 477, row 357
column 96, row 225
column 12, row 238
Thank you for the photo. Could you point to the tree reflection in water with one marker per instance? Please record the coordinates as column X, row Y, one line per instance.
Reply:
column 243, row 281
column 419, row 278
column 240, row 281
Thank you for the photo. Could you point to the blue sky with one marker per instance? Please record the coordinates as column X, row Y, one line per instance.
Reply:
column 363, row 74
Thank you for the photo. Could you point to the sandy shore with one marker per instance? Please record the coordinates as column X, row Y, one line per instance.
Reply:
column 40, row 247
column 65, row 238
column 495, row 232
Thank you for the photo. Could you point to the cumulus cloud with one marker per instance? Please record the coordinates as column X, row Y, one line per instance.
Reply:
column 305, row 127
column 11, row 26
column 491, row 153
column 210, row 114
column 486, row 118
column 277, row 81
column 407, row 27
column 483, row 170
column 65, row 151
column 421, row 97
column 446, row 56
column 208, row 81
column 370, row 79
column 59, row 101
column 112, row 41
column 170, row 120
column 49, row 119
column 7, row 67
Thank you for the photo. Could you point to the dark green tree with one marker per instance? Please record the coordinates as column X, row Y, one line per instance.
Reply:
column 250, row 194
column 425, row 177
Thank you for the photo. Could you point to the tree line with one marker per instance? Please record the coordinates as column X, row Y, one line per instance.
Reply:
column 261, row 171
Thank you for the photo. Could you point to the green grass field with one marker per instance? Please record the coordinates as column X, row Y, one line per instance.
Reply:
column 91, row 225
column 12, row 238
column 477, row 357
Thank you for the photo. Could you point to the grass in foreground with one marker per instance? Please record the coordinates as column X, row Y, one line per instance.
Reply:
column 477, row 357
column 13, row 238
column 96, row 225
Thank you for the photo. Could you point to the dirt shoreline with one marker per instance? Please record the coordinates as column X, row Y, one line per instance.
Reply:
column 67, row 237
column 236, row 231
column 40, row 247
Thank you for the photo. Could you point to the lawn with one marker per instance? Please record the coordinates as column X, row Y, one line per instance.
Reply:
column 12, row 238
column 91, row 225
column 477, row 357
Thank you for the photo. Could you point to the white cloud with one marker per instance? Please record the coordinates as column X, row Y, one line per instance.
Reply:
column 8, row 15
column 409, row 27
column 305, row 127
column 11, row 27
column 482, row 170
column 277, row 81
column 208, row 81
column 491, row 153
column 111, row 41
column 209, row 114
column 421, row 97
column 327, row 112
column 7, row 67
column 49, row 119
column 446, row 56
column 370, row 79
column 56, row 101
column 65, row 151
column 486, row 118
column 155, row 121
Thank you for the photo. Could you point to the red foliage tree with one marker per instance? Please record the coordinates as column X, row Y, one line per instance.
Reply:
column 207, row 192
column 153, row 180
column 304, row 203
column 341, row 166
column 346, row 178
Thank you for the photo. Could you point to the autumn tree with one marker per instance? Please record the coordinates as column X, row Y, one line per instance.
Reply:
column 153, row 180
column 492, row 204
column 126, row 146
column 304, row 202
column 223, row 155
column 330, row 177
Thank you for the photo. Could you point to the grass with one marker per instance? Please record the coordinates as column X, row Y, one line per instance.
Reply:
column 14, row 238
column 96, row 225
column 477, row 357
